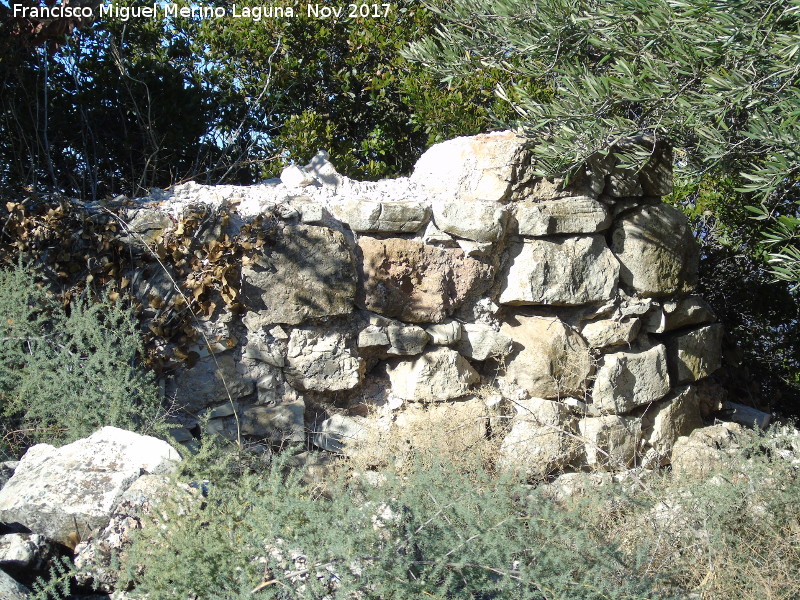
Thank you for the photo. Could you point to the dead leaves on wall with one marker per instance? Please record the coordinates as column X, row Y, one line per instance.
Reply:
column 90, row 248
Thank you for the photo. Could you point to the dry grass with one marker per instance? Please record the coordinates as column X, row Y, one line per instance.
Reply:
column 735, row 534
column 464, row 433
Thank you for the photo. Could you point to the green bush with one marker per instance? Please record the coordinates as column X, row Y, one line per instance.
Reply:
column 64, row 372
column 447, row 534
column 436, row 534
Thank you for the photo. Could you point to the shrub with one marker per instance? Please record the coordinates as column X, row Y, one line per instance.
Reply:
column 64, row 373
column 434, row 534
column 442, row 532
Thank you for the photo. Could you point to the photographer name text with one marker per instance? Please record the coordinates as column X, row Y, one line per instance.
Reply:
column 172, row 10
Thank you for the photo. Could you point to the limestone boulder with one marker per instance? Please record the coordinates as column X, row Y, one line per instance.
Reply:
column 484, row 167
column 695, row 354
column 267, row 346
column 227, row 427
column 675, row 416
column 26, row 555
column 145, row 227
column 294, row 176
column 656, row 177
column 478, row 250
column 560, row 272
column 746, row 415
column 97, row 555
column 692, row 310
column 626, row 380
column 446, row 333
column 314, row 214
column 11, row 589
column 437, row 375
column 479, row 342
column 477, row 221
column 579, row 214
column 675, row 314
column 271, row 387
column 55, row 490
column 211, row 380
column 366, row 216
column 323, row 171
column 322, row 360
column 623, row 182
column 373, row 337
column 656, row 250
column 382, row 337
column 152, row 285
column 306, row 272
column 551, row 360
column 433, row 235
column 408, row 340
column 611, row 442
column 414, row 282
column 541, row 440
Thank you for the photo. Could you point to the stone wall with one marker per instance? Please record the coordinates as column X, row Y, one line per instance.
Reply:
column 559, row 319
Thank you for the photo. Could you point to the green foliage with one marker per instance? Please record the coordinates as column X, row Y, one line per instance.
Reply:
column 437, row 534
column 128, row 105
column 59, row 582
column 99, row 117
column 718, row 80
column 65, row 373
column 442, row 533
column 296, row 85
column 255, row 529
column 761, row 314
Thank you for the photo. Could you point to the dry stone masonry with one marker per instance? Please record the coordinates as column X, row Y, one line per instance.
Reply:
column 565, row 312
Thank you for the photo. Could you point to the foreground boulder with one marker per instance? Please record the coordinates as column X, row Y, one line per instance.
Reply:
column 26, row 556
column 63, row 493
column 147, row 502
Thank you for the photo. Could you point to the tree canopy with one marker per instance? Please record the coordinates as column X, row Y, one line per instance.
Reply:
column 96, row 109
